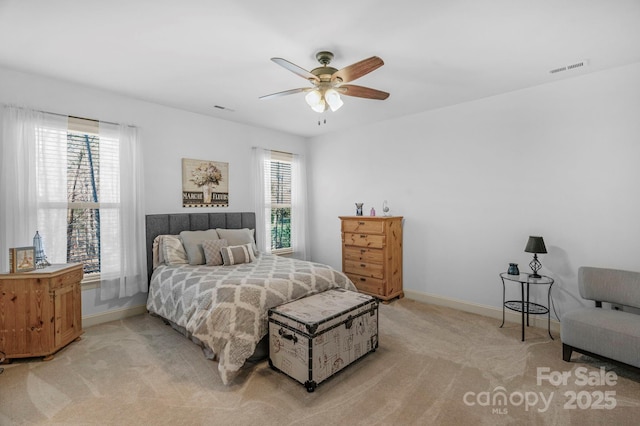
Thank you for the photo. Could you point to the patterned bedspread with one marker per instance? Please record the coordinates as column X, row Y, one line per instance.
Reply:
column 225, row 307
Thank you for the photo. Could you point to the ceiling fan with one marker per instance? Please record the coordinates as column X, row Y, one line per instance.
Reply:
column 329, row 83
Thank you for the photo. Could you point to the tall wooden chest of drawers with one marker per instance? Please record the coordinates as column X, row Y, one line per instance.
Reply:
column 40, row 311
column 372, row 254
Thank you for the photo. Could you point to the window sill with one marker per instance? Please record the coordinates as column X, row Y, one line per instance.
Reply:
column 282, row 252
column 90, row 282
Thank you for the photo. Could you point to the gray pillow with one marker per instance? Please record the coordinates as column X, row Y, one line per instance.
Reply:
column 212, row 253
column 234, row 255
column 192, row 241
column 238, row 237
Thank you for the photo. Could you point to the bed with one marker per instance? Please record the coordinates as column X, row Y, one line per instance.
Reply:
column 224, row 308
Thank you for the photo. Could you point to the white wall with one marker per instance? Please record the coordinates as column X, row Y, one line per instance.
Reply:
column 473, row 181
column 168, row 135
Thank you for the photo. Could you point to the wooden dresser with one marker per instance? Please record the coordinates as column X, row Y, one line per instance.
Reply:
column 40, row 311
column 372, row 254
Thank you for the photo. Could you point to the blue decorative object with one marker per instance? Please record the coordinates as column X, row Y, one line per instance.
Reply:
column 41, row 258
column 359, row 209
column 513, row 269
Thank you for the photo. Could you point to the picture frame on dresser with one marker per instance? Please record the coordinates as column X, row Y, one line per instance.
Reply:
column 22, row 259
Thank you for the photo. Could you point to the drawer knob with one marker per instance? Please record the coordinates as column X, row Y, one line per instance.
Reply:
column 360, row 223
column 363, row 265
column 363, row 279
column 363, row 236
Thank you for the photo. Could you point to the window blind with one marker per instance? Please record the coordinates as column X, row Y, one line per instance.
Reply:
column 280, row 183
column 278, row 174
column 77, row 174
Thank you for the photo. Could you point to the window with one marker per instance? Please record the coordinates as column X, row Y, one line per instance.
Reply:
column 79, row 183
column 71, row 170
column 280, row 202
column 83, row 184
column 279, row 169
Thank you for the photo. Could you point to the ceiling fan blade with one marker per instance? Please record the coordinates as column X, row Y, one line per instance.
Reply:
column 295, row 69
column 362, row 92
column 357, row 70
column 286, row 92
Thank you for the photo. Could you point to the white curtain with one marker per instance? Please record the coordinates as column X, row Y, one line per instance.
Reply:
column 51, row 153
column 299, row 233
column 33, row 195
column 21, row 133
column 122, row 254
column 262, row 197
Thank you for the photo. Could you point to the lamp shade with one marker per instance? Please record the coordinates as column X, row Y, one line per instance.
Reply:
column 535, row 245
column 333, row 99
column 313, row 98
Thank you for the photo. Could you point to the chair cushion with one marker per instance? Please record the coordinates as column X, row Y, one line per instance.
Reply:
column 606, row 332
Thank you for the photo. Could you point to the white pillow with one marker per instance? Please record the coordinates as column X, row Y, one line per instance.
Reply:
column 173, row 252
column 156, row 253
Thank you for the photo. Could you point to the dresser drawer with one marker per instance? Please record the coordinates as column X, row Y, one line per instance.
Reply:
column 363, row 226
column 363, row 254
column 368, row 285
column 364, row 240
column 365, row 269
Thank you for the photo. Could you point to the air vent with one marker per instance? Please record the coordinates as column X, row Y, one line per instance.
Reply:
column 580, row 64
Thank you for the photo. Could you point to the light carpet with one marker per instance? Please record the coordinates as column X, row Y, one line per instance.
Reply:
column 435, row 365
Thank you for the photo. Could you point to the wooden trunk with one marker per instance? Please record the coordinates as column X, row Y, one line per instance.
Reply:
column 40, row 311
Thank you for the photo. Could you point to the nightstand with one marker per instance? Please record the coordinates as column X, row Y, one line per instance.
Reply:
column 40, row 311
column 524, row 306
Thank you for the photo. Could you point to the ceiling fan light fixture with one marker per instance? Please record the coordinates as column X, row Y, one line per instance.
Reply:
column 313, row 98
column 328, row 82
column 320, row 107
column 316, row 101
column 333, row 99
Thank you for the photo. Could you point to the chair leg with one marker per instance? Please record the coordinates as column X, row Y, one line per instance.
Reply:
column 566, row 352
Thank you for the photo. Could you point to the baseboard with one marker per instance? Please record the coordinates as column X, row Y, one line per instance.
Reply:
column 113, row 315
column 539, row 321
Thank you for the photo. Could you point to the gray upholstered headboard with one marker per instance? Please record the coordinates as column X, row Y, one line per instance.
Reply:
column 173, row 224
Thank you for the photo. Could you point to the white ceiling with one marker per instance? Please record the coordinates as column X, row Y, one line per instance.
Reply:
column 194, row 55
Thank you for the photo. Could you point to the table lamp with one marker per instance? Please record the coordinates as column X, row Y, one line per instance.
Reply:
column 535, row 245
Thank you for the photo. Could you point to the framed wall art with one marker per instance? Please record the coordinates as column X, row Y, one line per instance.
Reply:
column 22, row 259
column 205, row 183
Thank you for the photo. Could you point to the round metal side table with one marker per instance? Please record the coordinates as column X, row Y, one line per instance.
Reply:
column 524, row 306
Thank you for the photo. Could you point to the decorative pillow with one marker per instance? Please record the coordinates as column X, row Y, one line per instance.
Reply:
column 234, row 255
column 237, row 237
column 212, row 253
column 192, row 241
column 155, row 252
column 173, row 252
